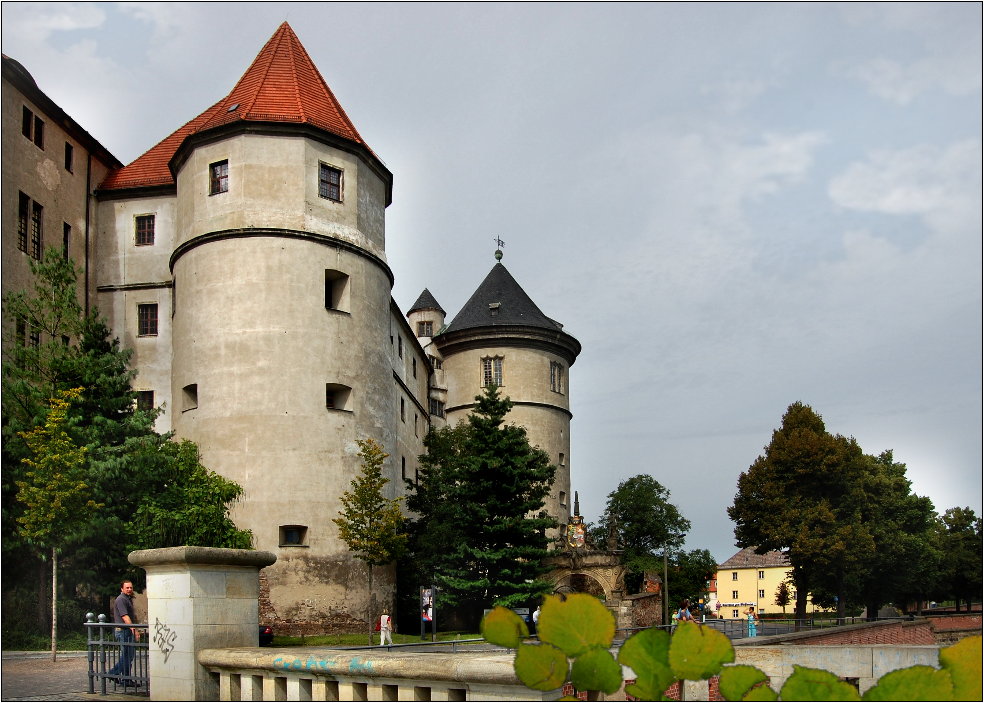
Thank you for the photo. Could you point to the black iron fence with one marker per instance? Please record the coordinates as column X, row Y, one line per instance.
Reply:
column 117, row 656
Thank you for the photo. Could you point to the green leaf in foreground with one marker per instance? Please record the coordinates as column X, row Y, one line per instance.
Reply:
column 596, row 670
column 504, row 628
column 699, row 652
column 577, row 624
column 963, row 661
column 738, row 681
column 917, row 683
column 816, row 685
column 541, row 667
column 647, row 654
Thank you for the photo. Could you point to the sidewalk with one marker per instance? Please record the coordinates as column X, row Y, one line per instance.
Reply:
column 32, row 676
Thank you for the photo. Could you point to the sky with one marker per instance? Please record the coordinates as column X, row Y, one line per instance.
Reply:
column 733, row 207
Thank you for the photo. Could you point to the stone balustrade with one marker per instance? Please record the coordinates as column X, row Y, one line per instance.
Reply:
column 325, row 674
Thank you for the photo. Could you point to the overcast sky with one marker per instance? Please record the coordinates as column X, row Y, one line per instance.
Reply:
column 733, row 207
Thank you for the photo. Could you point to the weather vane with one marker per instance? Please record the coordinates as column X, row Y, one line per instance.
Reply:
column 498, row 250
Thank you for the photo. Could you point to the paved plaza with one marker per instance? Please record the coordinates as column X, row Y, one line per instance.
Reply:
column 32, row 676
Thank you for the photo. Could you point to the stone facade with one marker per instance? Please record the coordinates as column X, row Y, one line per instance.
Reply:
column 243, row 260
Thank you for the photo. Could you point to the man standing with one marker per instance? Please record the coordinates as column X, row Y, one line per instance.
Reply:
column 385, row 629
column 123, row 614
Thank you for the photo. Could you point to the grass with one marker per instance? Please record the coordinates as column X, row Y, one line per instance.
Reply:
column 361, row 640
column 31, row 642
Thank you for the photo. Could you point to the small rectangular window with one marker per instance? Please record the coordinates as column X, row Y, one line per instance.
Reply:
column 492, row 371
column 556, row 377
column 145, row 400
column 761, row 574
column 189, row 397
column 144, row 225
column 218, row 177
column 23, row 217
column 337, row 396
column 435, row 362
column 27, row 122
column 425, row 329
column 734, row 575
column 761, row 593
column 330, row 183
column 436, row 407
column 336, row 290
column 69, row 157
column 38, row 132
column 66, row 239
column 734, row 595
column 37, row 224
column 293, row 535
column 147, row 320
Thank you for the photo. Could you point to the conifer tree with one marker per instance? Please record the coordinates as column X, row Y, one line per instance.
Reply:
column 481, row 531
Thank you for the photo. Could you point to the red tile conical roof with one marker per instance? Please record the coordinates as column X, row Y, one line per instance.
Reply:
column 281, row 85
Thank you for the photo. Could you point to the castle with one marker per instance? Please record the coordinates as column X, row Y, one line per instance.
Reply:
column 243, row 260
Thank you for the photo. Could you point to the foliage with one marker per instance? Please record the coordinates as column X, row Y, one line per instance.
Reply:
column 190, row 505
column 582, row 629
column 137, row 475
column 480, row 534
column 369, row 523
column 959, row 538
column 847, row 520
column 646, row 525
column 54, row 492
column 783, row 596
column 690, row 574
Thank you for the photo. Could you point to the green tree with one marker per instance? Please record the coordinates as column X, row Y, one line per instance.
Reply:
column 129, row 468
column 369, row 523
column 481, row 530
column 802, row 496
column 691, row 573
column 959, row 535
column 54, row 492
column 782, row 595
column 647, row 526
column 190, row 504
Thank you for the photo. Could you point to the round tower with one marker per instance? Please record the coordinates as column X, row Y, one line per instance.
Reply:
column 500, row 336
column 426, row 317
column 281, row 308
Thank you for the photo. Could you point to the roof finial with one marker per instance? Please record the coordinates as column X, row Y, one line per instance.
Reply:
column 498, row 251
column 577, row 504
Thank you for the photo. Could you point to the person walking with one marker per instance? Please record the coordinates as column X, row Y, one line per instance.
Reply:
column 536, row 621
column 385, row 629
column 123, row 614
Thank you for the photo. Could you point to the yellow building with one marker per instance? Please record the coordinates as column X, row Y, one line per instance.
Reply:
column 750, row 579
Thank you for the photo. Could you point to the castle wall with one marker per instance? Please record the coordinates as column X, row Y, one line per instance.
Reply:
column 544, row 413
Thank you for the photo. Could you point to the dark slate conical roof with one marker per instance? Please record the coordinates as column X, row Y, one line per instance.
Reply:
column 426, row 301
column 500, row 301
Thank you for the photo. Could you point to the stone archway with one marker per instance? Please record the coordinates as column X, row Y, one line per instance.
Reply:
column 599, row 573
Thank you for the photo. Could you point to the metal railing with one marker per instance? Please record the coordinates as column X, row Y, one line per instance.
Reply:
column 738, row 628
column 116, row 660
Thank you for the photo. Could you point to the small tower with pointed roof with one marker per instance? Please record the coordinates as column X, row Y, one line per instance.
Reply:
column 501, row 337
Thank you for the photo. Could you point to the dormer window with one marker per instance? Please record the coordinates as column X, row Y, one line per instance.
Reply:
column 494, row 309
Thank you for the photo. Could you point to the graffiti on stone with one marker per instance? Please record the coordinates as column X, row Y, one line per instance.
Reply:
column 164, row 638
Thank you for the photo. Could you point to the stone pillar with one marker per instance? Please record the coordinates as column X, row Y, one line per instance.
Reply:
column 197, row 598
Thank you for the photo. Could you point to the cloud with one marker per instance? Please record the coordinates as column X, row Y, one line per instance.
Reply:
column 920, row 180
column 902, row 83
column 41, row 20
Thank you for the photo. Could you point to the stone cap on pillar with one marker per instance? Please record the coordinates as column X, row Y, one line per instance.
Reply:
column 201, row 555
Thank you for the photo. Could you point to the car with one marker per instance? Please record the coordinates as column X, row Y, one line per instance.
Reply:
column 266, row 635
